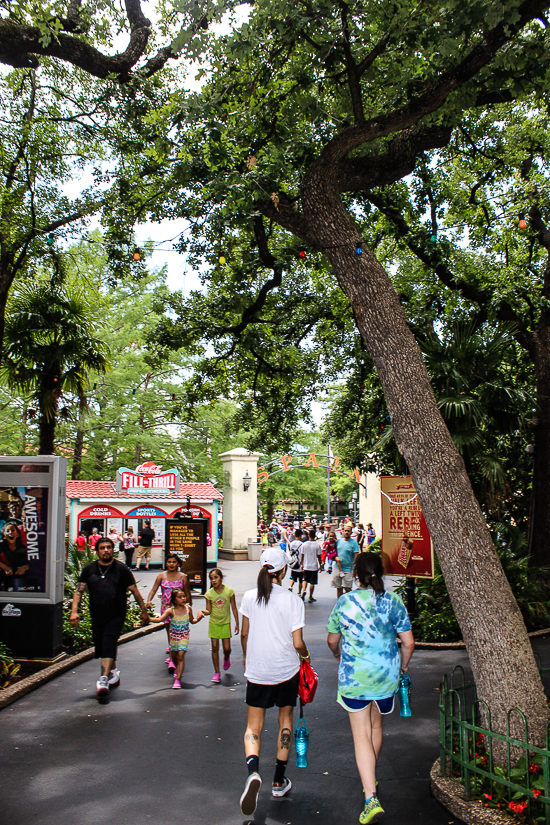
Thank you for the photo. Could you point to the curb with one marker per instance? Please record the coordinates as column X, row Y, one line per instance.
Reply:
column 36, row 680
column 451, row 795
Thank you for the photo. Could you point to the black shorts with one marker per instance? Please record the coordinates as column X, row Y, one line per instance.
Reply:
column 311, row 576
column 105, row 635
column 296, row 576
column 283, row 695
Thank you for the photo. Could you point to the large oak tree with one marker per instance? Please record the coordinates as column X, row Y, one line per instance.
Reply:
column 309, row 107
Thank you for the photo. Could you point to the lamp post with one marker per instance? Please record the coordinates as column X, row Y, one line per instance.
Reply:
column 354, row 501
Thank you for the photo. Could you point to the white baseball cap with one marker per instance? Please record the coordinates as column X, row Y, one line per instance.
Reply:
column 275, row 558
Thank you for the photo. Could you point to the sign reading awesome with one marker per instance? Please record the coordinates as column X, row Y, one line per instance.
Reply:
column 305, row 460
column 130, row 481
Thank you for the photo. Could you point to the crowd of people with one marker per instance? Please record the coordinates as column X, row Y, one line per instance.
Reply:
column 363, row 628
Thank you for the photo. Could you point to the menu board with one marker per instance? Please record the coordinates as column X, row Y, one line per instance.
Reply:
column 406, row 543
column 187, row 539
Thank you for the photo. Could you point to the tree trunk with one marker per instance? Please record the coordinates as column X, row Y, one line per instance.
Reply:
column 493, row 629
column 48, row 422
column 77, row 455
column 79, row 440
column 46, row 436
column 539, row 520
column 6, row 279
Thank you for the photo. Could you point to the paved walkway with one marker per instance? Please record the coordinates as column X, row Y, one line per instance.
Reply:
column 154, row 755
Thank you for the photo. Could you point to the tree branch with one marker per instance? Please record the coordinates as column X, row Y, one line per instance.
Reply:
column 20, row 43
column 364, row 173
column 504, row 311
column 433, row 96
column 351, row 69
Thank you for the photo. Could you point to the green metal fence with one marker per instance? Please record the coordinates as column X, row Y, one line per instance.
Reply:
column 466, row 751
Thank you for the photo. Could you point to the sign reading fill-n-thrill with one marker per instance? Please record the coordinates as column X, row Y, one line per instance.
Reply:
column 407, row 548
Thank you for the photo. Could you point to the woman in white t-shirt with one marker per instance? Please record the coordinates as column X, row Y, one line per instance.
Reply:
column 271, row 638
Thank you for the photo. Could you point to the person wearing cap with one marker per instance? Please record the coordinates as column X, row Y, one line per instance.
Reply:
column 271, row 638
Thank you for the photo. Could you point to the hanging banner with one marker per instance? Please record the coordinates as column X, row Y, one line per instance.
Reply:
column 407, row 548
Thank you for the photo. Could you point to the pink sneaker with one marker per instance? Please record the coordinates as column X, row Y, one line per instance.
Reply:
column 168, row 660
column 171, row 665
column 227, row 663
column 216, row 678
column 176, row 685
column 168, row 650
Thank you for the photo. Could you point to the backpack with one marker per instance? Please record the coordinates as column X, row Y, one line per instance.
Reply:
column 294, row 558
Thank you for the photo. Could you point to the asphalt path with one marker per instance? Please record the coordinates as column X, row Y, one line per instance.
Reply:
column 156, row 755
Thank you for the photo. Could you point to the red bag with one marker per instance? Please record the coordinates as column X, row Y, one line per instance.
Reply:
column 308, row 683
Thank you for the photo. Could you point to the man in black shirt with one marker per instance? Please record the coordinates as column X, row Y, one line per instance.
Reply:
column 107, row 580
column 145, row 543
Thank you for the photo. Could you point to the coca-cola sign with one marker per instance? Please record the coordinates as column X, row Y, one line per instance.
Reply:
column 149, row 468
column 147, row 479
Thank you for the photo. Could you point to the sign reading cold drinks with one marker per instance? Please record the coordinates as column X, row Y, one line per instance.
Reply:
column 407, row 548
column 187, row 539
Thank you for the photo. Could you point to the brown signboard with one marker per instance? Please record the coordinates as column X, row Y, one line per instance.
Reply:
column 187, row 539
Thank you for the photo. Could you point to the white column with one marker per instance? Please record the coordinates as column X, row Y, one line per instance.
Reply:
column 370, row 503
column 240, row 507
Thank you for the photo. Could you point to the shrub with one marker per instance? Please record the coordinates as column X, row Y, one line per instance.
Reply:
column 436, row 621
column 79, row 638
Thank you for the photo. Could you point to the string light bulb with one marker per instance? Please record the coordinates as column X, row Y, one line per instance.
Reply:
column 433, row 238
column 49, row 239
column 137, row 256
column 359, row 250
column 173, row 396
column 222, row 259
column 302, row 252
column 522, row 221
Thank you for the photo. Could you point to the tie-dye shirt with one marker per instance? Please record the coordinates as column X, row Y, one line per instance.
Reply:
column 370, row 661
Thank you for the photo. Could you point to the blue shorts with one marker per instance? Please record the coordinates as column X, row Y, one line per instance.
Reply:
column 385, row 706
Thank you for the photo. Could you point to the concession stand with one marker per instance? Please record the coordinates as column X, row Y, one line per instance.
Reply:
column 147, row 493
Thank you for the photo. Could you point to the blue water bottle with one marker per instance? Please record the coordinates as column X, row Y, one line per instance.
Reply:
column 301, row 741
column 404, row 693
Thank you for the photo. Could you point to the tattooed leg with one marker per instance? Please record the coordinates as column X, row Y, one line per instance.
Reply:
column 253, row 733
column 285, row 732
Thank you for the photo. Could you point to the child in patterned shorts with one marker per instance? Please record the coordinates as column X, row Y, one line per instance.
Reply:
column 181, row 616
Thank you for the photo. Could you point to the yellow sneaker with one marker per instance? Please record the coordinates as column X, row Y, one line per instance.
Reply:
column 372, row 812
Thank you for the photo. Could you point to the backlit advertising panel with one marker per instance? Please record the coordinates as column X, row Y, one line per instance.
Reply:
column 187, row 539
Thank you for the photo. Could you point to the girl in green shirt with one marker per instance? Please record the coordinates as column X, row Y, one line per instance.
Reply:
column 220, row 600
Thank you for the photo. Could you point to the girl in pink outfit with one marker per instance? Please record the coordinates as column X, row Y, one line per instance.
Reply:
column 170, row 579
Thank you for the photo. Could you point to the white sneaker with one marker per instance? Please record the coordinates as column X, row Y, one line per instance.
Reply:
column 281, row 790
column 249, row 798
column 114, row 678
column 102, row 687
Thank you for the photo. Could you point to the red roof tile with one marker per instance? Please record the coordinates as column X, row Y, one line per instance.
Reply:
column 102, row 490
